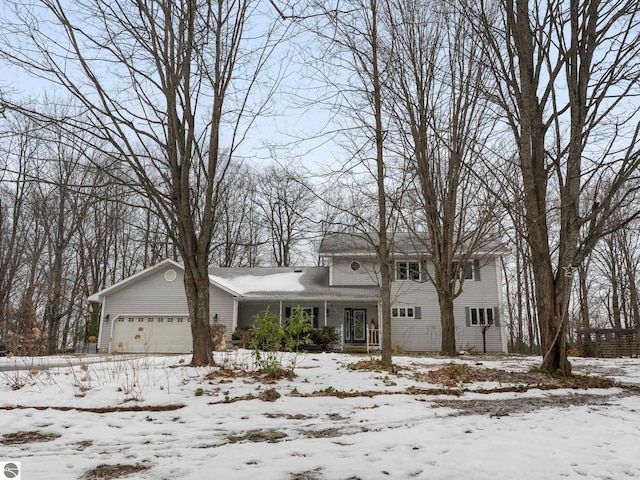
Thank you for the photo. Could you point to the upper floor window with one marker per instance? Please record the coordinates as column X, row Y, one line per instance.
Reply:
column 466, row 272
column 408, row 270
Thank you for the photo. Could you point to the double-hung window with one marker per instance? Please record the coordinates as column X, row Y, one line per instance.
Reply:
column 481, row 316
column 406, row 270
column 465, row 272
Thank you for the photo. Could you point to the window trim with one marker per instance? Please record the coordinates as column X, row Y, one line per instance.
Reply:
column 481, row 317
column 407, row 311
column 469, row 270
column 406, row 265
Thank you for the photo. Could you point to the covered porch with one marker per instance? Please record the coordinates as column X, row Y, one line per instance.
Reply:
column 356, row 322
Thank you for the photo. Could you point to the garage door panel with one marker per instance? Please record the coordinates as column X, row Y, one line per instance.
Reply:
column 152, row 335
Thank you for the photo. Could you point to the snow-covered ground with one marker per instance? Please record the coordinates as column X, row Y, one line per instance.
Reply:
column 198, row 423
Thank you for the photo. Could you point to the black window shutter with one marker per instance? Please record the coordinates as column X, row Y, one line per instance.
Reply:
column 467, row 316
column 476, row 270
column 417, row 313
column 496, row 317
column 392, row 267
column 423, row 271
column 287, row 312
column 316, row 313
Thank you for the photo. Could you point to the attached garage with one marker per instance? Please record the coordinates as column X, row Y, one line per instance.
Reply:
column 139, row 334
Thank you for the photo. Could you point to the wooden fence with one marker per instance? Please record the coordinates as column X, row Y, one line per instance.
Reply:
column 610, row 342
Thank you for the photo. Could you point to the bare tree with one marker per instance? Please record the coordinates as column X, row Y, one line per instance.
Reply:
column 239, row 233
column 353, row 34
column 443, row 121
column 285, row 200
column 16, row 219
column 62, row 210
column 564, row 72
column 165, row 86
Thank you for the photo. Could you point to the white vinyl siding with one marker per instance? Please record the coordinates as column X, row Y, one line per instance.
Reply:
column 154, row 296
column 425, row 334
column 343, row 275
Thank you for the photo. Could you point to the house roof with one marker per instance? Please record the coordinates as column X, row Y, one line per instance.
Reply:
column 296, row 283
column 99, row 296
column 401, row 243
column 287, row 282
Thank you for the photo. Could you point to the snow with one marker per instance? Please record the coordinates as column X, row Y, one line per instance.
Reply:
column 390, row 435
column 275, row 282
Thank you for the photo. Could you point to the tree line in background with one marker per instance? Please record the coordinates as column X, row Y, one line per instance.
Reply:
column 69, row 229
column 468, row 121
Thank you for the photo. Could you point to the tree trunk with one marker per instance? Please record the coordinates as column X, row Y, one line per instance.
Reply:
column 553, row 308
column 197, row 290
column 448, row 326
column 385, row 295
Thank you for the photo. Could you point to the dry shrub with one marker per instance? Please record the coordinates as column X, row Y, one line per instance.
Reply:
column 451, row 375
column 371, row 364
column 218, row 336
column 19, row 438
column 108, row 472
column 270, row 395
column 31, row 342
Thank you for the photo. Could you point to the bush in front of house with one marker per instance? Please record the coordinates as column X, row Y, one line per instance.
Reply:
column 323, row 337
column 269, row 338
column 242, row 336
column 296, row 331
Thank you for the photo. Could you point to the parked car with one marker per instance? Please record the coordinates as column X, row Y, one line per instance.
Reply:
column 3, row 350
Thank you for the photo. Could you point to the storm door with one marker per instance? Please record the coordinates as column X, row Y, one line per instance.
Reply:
column 355, row 325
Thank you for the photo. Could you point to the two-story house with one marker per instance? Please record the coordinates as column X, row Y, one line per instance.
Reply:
column 147, row 312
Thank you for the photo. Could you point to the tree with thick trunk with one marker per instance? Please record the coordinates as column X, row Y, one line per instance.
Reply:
column 443, row 121
column 352, row 33
column 564, row 72
column 167, row 91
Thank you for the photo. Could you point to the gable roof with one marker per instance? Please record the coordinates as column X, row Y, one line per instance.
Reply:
column 401, row 243
column 99, row 296
column 336, row 243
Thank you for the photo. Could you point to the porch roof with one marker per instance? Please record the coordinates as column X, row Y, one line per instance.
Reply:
column 295, row 283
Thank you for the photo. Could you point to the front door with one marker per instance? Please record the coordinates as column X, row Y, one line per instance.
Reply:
column 355, row 325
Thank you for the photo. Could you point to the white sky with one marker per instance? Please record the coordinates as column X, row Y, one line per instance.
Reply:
column 385, row 436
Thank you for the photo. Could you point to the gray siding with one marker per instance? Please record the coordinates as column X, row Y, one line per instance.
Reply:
column 150, row 296
column 424, row 334
column 342, row 275
column 221, row 304
column 154, row 296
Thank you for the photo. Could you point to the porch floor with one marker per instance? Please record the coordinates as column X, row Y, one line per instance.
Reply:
column 359, row 348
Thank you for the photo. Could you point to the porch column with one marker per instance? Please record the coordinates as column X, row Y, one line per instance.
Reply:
column 280, row 303
column 325, row 313
column 234, row 319
column 380, row 332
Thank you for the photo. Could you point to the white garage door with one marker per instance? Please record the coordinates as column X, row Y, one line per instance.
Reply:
column 152, row 335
